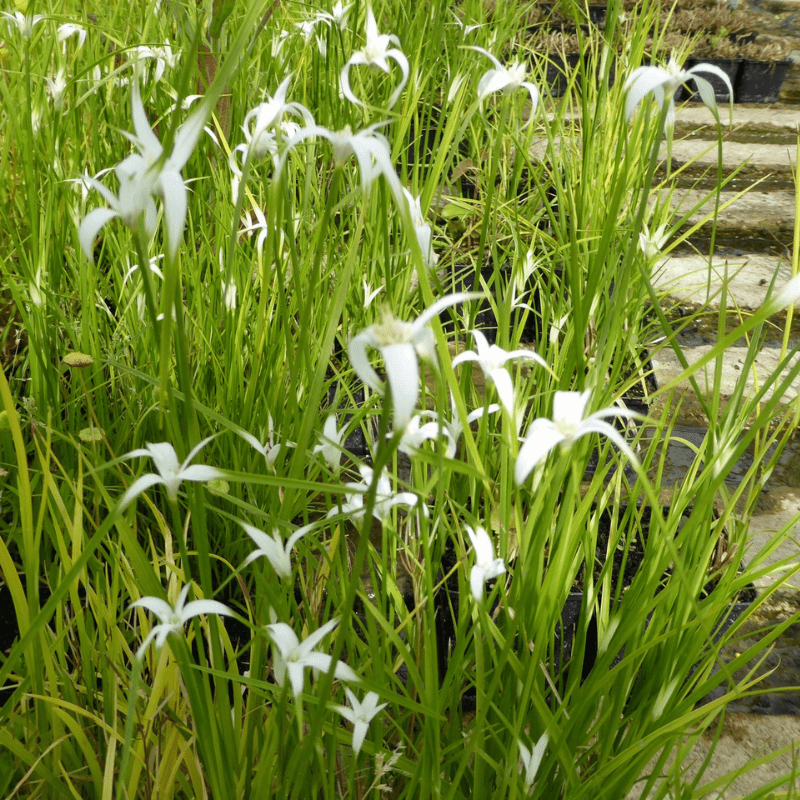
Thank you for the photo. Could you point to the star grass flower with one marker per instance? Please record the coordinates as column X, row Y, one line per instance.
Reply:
column 376, row 53
column 454, row 427
column 492, row 360
column 69, row 29
column 506, row 79
column 370, row 148
column 269, row 449
column 56, row 87
column 255, row 224
column 173, row 618
column 664, row 82
column 421, row 230
column 789, row 294
column 273, row 548
column 486, row 565
column 229, row 292
column 22, row 23
column 339, row 14
column 146, row 174
column 169, row 472
column 385, row 498
column 260, row 122
column 569, row 423
column 401, row 344
column 416, row 434
column 293, row 656
column 370, row 294
column 651, row 244
column 360, row 714
column 531, row 759
column 161, row 56
column 330, row 444
column 466, row 29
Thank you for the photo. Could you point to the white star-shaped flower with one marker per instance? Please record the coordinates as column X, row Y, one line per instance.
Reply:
column 663, row 82
column 492, row 360
column 422, row 230
column 330, row 444
column 486, row 565
column 376, row 53
column 569, row 423
column 173, row 618
column 269, row 449
column 360, row 714
column 23, row 24
column 370, row 148
column 169, row 472
column 294, row 656
column 144, row 174
column 401, row 344
column 273, row 548
column 651, row 244
column 385, row 498
column 506, row 79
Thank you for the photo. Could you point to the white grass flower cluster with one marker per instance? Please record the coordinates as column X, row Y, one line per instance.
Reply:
column 386, row 353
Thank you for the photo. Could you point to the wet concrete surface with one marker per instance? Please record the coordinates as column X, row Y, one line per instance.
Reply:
column 681, row 453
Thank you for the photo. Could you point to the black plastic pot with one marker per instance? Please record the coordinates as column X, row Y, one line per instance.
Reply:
column 468, row 279
column 423, row 144
column 761, row 81
column 356, row 443
column 730, row 66
column 623, row 569
column 559, row 71
column 597, row 14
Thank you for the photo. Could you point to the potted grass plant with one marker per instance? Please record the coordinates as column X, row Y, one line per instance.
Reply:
column 232, row 361
column 764, row 68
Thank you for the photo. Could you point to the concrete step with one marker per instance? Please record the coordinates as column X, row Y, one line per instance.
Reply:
column 756, row 214
column 752, row 119
column 701, row 155
column 746, row 278
column 668, row 368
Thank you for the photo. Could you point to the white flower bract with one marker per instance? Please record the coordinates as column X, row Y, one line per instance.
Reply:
column 486, row 565
column 385, row 498
column 360, row 714
column 492, row 360
column 273, row 548
column 376, row 53
column 531, row 759
column 569, row 423
column 144, row 174
column 169, row 472
column 173, row 618
column 330, row 444
column 664, row 82
column 269, row 449
column 401, row 344
column 506, row 79
column 294, row 656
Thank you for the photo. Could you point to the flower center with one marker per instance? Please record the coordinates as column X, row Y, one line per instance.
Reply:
column 391, row 330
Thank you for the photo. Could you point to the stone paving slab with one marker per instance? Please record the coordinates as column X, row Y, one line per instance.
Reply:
column 747, row 279
column 754, row 213
column 767, row 158
column 740, row 744
column 764, row 119
column 777, row 510
column 667, row 368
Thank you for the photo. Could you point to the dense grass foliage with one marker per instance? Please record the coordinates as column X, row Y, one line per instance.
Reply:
column 322, row 327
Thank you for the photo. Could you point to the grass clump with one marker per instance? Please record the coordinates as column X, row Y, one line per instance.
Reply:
column 220, row 298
